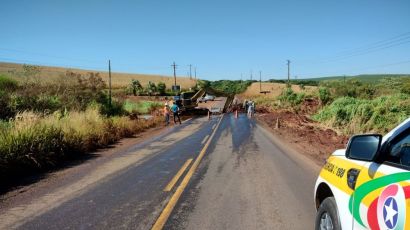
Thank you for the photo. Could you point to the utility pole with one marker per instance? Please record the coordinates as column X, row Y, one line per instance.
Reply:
column 195, row 73
column 260, row 81
column 109, row 82
column 288, row 72
column 190, row 71
column 251, row 74
column 175, row 76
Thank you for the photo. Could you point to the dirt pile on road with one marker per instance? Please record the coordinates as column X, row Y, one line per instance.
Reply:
column 304, row 134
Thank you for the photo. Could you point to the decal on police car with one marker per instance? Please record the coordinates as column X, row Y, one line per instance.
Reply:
column 388, row 211
column 391, row 208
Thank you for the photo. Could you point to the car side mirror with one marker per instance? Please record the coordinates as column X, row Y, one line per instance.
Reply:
column 364, row 147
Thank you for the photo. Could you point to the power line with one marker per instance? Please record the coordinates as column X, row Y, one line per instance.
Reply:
column 385, row 65
column 373, row 67
column 374, row 49
column 376, row 44
column 370, row 48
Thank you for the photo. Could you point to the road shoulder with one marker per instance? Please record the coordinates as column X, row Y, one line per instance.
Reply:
column 41, row 184
column 304, row 138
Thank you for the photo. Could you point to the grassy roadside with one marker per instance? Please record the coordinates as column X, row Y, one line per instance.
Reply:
column 44, row 125
column 32, row 143
column 350, row 107
column 352, row 115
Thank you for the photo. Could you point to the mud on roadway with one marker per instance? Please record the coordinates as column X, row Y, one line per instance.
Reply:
column 304, row 134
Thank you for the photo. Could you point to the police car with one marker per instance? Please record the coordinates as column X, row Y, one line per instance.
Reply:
column 367, row 185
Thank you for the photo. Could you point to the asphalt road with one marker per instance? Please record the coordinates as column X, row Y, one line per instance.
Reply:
column 217, row 104
column 246, row 180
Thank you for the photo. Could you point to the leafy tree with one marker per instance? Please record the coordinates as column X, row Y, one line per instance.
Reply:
column 230, row 87
column 136, row 87
column 151, row 88
column 203, row 84
column 161, row 87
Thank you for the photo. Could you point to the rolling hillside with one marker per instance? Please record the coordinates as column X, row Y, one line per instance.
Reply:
column 362, row 77
column 52, row 74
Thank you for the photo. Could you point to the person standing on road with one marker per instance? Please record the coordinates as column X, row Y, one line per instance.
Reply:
column 245, row 105
column 250, row 109
column 253, row 107
column 166, row 113
column 175, row 110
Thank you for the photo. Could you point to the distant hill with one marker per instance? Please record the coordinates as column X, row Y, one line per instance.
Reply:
column 362, row 77
column 50, row 74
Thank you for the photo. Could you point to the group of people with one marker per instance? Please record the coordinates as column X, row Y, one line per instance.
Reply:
column 174, row 108
column 249, row 107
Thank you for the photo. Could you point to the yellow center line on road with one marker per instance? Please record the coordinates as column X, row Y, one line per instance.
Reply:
column 187, row 120
column 204, row 140
column 162, row 219
column 177, row 176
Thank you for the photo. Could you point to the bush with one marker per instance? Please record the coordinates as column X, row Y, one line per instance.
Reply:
column 76, row 93
column 289, row 97
column 352, row 115
column 7, row 84
column 405, row 87
column 5, row 111
column 324, row 95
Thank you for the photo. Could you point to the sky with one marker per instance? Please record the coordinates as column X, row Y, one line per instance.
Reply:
column 222, row 39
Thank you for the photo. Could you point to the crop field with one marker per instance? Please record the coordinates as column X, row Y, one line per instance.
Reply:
column 52, row 74
column 275, row 89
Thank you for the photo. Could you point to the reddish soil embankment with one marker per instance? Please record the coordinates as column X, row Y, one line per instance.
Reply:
column 304, row 134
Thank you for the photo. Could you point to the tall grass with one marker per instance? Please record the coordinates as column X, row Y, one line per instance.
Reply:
column 141, row 107
column 34, row 142
column 352, row 115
